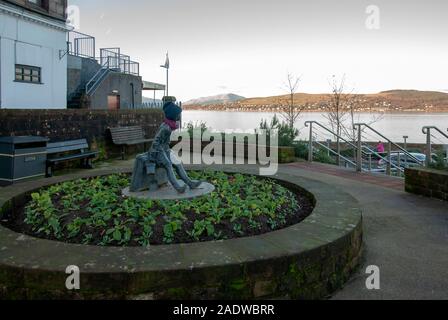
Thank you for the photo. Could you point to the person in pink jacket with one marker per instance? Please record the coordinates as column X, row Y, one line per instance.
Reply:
column 380, row 147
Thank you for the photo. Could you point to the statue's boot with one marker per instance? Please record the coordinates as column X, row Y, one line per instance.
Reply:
column 174, row 182
column 193, row 184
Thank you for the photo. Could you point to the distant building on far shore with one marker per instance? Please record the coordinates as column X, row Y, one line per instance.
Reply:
column 33, row 67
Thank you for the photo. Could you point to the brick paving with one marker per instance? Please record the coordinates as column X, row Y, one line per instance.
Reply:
column 376, row 179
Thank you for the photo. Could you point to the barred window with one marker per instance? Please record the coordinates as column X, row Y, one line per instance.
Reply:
column 36, row 2
column 28, row 74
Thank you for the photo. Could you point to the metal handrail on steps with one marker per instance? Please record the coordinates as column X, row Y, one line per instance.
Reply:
column 310, row 148
column 361, row 149
column 91, row 85
column 427, row 131
column 390, row 164
column 336, row 153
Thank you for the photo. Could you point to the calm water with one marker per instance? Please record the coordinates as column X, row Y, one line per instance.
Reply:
column 393, row 126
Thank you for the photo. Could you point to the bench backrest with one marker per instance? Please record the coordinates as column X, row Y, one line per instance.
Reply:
column 67, row 146
column 123, row 135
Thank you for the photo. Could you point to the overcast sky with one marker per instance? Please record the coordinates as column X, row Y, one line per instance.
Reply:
column 247, row 47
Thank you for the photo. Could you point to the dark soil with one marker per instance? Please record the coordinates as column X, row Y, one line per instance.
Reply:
column 261, row 224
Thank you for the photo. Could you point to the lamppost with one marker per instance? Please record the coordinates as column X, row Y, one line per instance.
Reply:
column 167, row 67
column 406, row 148
column 329, row 146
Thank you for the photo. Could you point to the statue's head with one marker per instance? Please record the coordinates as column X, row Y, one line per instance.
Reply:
column 166, row 99
column 172, row 111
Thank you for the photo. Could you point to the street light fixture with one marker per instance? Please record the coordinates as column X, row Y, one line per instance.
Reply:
column 167, row 67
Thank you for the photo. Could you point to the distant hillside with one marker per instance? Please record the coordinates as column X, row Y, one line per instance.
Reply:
column 218, row 99
column 387, row 101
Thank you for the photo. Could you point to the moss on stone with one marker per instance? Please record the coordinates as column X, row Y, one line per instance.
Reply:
column 294, row 272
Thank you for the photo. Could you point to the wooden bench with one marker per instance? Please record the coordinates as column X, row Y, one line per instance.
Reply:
column 128, row 136
column 66, row 151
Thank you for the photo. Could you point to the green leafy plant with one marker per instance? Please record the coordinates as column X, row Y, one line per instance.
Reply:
column 440, row 161
column 93, row 211
column 196, row 127
column 286, row 133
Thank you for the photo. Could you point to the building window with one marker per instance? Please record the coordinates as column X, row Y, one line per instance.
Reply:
column 36, row 2
column 41, row 4
column 28, row 74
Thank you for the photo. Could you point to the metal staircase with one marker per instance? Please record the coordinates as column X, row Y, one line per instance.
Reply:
column 75, row 101
column 363, row 153
column 98, row 78
column 110, row 60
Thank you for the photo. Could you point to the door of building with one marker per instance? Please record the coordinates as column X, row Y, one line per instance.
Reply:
column 113, row 102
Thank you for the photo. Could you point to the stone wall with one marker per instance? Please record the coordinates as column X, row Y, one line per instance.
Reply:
column 61, row 125
column 310, row 260
column 428, row 183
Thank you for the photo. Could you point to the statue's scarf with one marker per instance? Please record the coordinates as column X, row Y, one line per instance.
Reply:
column 172, row 124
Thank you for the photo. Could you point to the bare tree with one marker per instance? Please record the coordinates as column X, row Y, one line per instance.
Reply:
column 357, row 106
column 291, row 112
column 338, row 106
column 344, row 108
column 343, row 111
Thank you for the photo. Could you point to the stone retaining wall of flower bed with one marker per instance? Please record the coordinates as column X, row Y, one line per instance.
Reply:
column 310, row 260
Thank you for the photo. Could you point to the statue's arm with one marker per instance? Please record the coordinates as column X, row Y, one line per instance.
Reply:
column 161, row 143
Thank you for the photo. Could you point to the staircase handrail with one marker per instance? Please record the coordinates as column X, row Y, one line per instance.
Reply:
column 307, row 123
column 103, row 68
column 427, row 129
column 407, row 153
column 335, row 153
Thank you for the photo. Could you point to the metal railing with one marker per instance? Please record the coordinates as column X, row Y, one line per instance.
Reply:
column 310, row 148
column 111, row 55
column 427, row 131
column 362, row 151
column 390, row 164
column 144, row 105
column 81, row 45
column 347, row 160
column 111, row 61
column 365, row 150
column 119, row 62
column 390, row 144
column 93, row 83
column 134, row 68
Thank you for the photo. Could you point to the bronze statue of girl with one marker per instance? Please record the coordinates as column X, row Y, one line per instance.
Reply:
column 152, row 169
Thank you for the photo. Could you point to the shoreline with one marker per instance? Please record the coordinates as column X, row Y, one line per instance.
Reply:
column 320, row 112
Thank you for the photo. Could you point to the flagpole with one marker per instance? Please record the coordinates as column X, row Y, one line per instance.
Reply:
column 167, row 79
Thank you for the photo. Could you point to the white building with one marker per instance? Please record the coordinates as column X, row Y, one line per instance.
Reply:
column 33, row 59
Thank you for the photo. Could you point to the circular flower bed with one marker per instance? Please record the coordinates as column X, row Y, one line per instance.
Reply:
column 93, row 211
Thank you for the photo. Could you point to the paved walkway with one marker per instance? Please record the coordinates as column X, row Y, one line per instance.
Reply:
column 406, row 236
column 376, row 179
